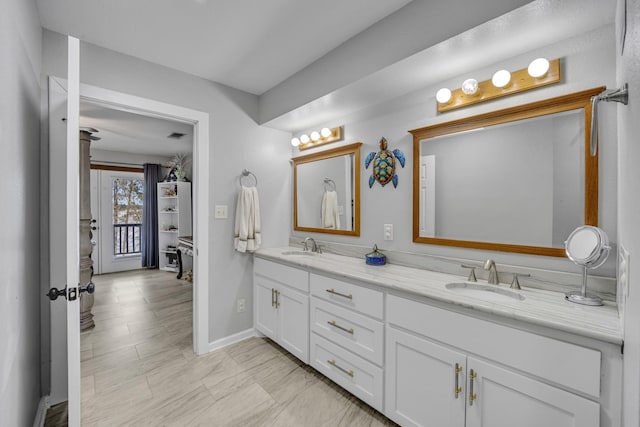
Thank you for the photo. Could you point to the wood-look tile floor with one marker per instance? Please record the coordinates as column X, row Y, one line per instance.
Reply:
column 138, row 368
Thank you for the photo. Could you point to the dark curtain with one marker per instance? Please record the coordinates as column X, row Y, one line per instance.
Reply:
column 149, row 244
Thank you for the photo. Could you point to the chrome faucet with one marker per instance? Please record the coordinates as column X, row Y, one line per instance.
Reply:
column 493, row 272
column 306, row 241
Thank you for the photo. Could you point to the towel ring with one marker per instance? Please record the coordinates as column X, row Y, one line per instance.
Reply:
column 329, row 185
column 245, row 174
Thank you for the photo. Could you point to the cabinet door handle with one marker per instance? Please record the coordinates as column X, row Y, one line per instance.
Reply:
column 273, row 297
column 277, row 299
column 333, row 363
column 333, row 291
column 342, row 328
column 472, row 396
column 457, row 389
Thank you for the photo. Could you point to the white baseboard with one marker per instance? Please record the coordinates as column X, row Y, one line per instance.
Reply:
column 232, row 339
column 41, row 415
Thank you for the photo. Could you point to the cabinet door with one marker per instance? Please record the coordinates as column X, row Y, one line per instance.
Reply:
column 504, row 398
column 420, row 386
column 293, row 322
column 265, row 312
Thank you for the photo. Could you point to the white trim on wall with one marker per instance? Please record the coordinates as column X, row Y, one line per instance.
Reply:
column 232, row 339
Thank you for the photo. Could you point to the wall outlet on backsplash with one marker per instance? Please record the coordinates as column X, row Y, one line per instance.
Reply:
column 388, row 232
column 623, row 270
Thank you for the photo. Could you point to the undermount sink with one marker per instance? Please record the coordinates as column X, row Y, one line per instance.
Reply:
column 484, row 292
column 303, row 253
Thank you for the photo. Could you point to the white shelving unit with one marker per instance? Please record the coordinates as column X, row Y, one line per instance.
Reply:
column 174, row 219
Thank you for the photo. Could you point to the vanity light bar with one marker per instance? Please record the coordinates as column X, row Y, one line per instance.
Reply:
column 316, row 139
column 522, row 80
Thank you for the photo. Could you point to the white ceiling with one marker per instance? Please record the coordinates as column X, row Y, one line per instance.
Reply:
column 133, row 133
column 250, row 45
column 259, row 46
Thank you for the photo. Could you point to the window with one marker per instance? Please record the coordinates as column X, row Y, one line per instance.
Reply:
column 127, row 194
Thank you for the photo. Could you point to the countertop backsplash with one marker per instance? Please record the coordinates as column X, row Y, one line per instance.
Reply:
column 558, row 281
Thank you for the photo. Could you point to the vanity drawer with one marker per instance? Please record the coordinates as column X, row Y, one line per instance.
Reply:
column 365, row 300
column 557, row 361
column 359, row 377
column 294, row 277
column 353, row 331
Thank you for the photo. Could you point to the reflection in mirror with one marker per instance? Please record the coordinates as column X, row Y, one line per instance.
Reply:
column 327, row 191
column 513, row 180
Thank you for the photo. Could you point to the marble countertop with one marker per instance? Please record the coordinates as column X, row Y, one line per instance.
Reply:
column 540, row 307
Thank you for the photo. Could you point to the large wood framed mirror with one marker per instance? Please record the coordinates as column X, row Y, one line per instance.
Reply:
column 514, row 180
column 326, row 191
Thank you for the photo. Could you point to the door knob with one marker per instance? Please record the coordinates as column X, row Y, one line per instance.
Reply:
column 54, row 293
column 88, row 288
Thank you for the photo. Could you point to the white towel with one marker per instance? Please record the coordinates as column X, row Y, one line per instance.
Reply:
column 329, row 214
column 247, row 232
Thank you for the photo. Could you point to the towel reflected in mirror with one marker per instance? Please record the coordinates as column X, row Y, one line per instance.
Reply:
column 329, row 211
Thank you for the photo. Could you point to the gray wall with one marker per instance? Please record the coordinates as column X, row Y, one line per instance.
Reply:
column 20, row 297
column 588, row 61
column 236, row 141
column 98, row 155
column 629, row 206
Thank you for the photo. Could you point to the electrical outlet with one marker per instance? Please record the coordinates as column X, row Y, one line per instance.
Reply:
column 240, row 305
column 388, row 232
column 623, row 270
column 221, row 212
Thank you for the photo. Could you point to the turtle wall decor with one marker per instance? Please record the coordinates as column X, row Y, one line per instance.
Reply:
column 384, row 165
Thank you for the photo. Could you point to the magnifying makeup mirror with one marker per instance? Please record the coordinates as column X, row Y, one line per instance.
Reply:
column 588, row 247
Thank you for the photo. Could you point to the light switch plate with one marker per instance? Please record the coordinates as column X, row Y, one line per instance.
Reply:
column 388, row 232
column 221, row 212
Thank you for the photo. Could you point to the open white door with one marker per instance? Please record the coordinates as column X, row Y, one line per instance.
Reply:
column 64, row 106
column 73, row 230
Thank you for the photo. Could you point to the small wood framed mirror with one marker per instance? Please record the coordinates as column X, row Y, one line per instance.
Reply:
column 326, row 191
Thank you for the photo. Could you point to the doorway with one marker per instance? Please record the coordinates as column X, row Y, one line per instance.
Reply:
column 60, row 370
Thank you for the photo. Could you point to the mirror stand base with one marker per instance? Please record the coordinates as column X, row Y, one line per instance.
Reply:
column 585, row 299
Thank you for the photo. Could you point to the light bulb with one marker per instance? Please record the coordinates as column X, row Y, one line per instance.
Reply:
column 443, row 95
column 325, row 132
column 304, row 138
column 538, row 67
column 315, row 136
column 501, row 78
column 295, row 142
column 470, row 86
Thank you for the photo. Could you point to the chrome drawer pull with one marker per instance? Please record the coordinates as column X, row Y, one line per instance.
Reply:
column 333, row 291
column 333, row 362
column 457, row 389
column 472, row 395
column 342, row 328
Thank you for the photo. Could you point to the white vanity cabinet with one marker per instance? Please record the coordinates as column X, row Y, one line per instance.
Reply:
column 281, row 305
column 448, row 369
column 347, row 336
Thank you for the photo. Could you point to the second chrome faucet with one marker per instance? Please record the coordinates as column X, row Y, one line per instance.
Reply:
column 493, row 272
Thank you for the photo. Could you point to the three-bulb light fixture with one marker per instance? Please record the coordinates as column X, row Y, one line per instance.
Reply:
column 315, row 138
column 540, row 72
